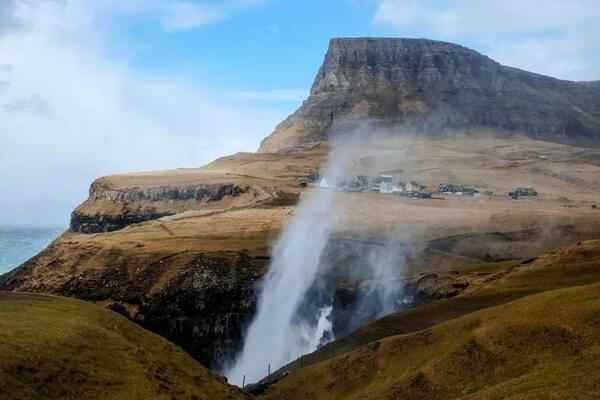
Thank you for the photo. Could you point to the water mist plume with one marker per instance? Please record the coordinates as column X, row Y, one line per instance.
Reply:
column 295, row 308
column 274, row 337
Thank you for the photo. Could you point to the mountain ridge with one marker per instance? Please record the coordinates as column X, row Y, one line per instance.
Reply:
column 436, row 88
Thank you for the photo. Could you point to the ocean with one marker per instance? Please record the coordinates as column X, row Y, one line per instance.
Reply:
column 18, row 244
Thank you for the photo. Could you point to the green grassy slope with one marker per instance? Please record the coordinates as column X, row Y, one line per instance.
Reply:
column 56, row 348
column 531, row 332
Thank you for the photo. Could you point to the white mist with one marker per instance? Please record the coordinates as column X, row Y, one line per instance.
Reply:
column 275, row 337
column 280, row 334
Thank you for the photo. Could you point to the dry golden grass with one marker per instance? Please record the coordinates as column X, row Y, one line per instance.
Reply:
column 531, row 332
column 473, row 346
column 57, row 348
column 251, row 220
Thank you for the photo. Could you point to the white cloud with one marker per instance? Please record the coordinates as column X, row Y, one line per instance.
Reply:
column 177, row 15
column 548, row 36
column 189, row 14
column 70, row 113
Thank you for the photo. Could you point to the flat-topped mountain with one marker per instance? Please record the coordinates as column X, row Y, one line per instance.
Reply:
column 436, row 88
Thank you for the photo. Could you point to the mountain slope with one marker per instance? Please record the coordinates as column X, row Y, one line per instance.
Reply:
column 56, row 348
column 435, row 88
column 515, row 351
column 530, row 331
column 193, row 276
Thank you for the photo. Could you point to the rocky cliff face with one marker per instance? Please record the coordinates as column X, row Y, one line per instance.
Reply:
column 144, row 204
column 435, row 88
column 200, row 301
column 239, row 181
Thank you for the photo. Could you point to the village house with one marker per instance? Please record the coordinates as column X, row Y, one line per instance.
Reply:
column 387, row 184
column 458, row 190
column 523, row 192
column 380, row 184
column 324, row 184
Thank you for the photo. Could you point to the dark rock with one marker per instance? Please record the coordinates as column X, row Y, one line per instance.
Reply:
column 205, row 308
column 435, row 287
column 98, row 223
column 432, row 87
column 118, row 308
column 207, row 192
column 84, row 222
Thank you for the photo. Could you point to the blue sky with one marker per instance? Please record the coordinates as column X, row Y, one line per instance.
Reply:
column 96, row 87
column 272, row 45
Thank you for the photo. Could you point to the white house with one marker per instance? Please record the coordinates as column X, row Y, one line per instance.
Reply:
column 324, row 184
column 386, row 185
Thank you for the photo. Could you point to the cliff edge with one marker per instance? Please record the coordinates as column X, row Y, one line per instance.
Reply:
column 435, row 88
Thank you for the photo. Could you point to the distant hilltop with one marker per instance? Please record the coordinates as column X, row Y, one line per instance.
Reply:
column 436, row 88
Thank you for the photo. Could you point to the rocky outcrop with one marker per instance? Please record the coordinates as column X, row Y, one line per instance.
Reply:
column 106, row 223
column 207, row 307
column 201, row 192
column 230, row 183
column 139, row 204
column 434, row 88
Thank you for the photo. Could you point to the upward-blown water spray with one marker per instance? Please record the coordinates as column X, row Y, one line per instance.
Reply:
column 294, row 315
column 277, row 335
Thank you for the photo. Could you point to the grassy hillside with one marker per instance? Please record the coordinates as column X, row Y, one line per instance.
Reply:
column 531, row 332
column 56, row 348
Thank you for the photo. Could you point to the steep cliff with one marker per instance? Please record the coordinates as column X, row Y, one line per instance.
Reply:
column 139, row 204
column 435, row 88
column 235, row 182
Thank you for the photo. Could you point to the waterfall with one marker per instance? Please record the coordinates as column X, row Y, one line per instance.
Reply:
column 294, row 313
column 277, row 335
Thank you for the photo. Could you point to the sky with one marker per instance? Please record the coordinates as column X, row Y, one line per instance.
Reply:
column 95, row 87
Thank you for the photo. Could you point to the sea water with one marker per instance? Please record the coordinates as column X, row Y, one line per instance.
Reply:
column 18, row 244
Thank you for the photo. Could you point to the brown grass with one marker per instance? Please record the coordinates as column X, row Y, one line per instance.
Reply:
column 56, row 348
column 531, row 332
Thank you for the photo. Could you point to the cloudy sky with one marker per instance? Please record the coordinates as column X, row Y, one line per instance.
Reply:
column 94, row 87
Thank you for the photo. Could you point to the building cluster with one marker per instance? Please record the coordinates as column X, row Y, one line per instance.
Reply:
column 458, row 190
column 395, row 185
column 523, row 192
column 379, row 184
